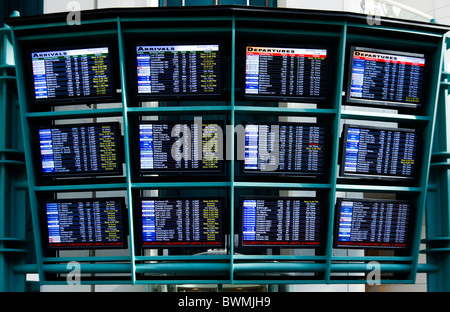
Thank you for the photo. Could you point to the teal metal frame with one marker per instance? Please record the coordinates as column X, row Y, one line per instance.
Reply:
column 175, row 3
column 232, row 268
column 14, row 211
column 437, row 217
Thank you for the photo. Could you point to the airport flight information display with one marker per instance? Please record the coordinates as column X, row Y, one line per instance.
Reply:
column 86, row 223
column 180, row 146
column 171, row 70
column 182, row 222
column 72, row 74
column 281, row 222
column 379, row 152
column 286, row 72
column 372, row 223
column 84, row 149
column 386, row 78
column 287, row 148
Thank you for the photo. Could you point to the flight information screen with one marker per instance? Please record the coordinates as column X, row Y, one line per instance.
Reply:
column 72, row 74
column 372, row 223
column 171, row 70
column 379, row 152
column 386, row 78
column 86, row 223
column 182, row 222
column 287, row 148
column 181, row 146
column 286, row 72
column 286, row 222
column 84, row 149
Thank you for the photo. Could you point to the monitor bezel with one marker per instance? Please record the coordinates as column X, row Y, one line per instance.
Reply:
column 114, row 97
column 381, row 177
column 137, row 153
column 174, row 96
column 285, row 98
column 44, row 223
column 119, row 156
column 322, row 229
column 382, row 103
column 409, row 231
column 137, row 218
column 326, row 154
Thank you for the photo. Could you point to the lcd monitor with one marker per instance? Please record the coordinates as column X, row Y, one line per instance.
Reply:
column 380, row 153
column 163, row 222
column 88, row 223
column 73, row 75
column 281, row 221
column 285, row 149
column 281, row 73
column 181, row 146
column 368, row 223
column 178, row 70
column 80, row 150
column 386, row 78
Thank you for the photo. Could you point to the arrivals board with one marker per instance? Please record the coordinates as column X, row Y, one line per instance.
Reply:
column 72, row 74
column 86, row 223
column 181, row 146
column 175, row 70
column 181, row 222
column 78, row 150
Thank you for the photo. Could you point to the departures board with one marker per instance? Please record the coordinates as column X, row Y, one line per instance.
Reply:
column 379, row 152
column 281, row 221
column 286, row 72
column 364, row 223
column 386, row 78
column 285, row 148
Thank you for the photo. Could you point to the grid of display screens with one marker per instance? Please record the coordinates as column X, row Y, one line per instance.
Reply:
column 379, row 152
column 363, row 223
column 282, row 221
column 77, row 150
column 384, row 77
column 181, row 146
column 376, row 77
column 286, row 72
column 72, row 74
column 181, row 222
column 285, row 148
column 86, row 223
column 174, row 70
